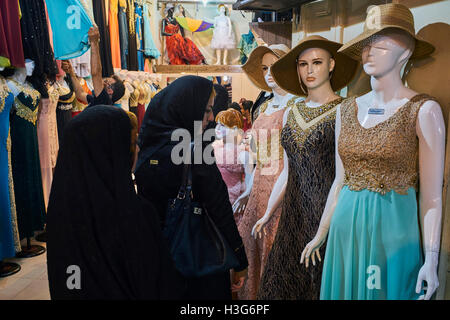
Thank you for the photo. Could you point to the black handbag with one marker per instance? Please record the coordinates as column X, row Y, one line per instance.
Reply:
column 196, row 244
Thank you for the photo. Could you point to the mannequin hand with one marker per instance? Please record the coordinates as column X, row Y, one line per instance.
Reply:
column 240, row 204
column 238, row 280
column 259, row 228
column 94, row 35
column 312, row 248
column 428, row 273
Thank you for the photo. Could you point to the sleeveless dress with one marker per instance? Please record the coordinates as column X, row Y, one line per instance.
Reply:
column 222, row 39
column 9, row 236
column 25, row 163
column 309, row 141
column 181, row 50
column 266, row 132
column 374, row 249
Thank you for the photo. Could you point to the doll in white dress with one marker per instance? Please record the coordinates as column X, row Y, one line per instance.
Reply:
column 223, row 37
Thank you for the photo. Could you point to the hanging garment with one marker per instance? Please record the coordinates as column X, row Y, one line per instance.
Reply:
column 64, row 109
column 308, row 139
column 114, row 33
column 47, row 140
column 70, row 27
column 79, row 106
column 139, row 38
column 150, row 47
column 132, row 41
column 124, row 34
column 375, row 222
column 82, row 65
column 9, row 238
column 96, row 220
column 36, row 44
column 10, row 35
column 100, row 15
column 26, row 167
column 246, row 46
column 181, row 50
column 269, row 166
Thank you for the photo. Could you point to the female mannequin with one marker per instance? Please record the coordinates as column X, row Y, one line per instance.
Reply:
column 223, row 37
column 230, row 157
column 371, row 212
column 308, row 140
column 259, row 194
column 26, row 169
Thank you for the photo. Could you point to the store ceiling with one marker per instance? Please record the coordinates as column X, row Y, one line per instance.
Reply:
column 268, row 5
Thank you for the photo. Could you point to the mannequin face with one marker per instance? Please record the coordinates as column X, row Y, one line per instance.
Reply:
column 29, row 65
column 267, row 61
column 385, row 53
column 222, row 10
column 221, row 131
column 314, row 66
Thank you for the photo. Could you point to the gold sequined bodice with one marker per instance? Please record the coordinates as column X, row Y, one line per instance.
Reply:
column 384, row 157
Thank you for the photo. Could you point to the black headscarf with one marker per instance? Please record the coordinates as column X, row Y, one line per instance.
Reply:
column 221, row 100
column 177, row 106
column 97, row 222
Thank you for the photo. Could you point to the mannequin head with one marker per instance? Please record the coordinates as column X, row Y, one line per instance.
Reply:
column 387, row 51
column 222, row 9
column 29, row 66
column 229, row 124
column 267, row 61
column 314, row 67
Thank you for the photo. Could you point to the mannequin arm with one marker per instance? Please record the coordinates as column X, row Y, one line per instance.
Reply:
column 229, row 26
column 163, row 27
column 431, row 133
column 241, row 202
column 312, row 248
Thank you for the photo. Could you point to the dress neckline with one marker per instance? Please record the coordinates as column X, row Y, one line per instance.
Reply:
column 388, row 120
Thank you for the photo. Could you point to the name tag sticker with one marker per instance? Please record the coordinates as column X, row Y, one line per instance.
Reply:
column 376, row 111
column 154, row 162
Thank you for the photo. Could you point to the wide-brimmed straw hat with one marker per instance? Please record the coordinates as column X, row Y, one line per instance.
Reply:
column 253, row 65
column 284, row 71
column 383, row 17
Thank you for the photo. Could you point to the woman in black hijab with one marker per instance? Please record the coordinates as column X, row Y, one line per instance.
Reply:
column 97, row 223
column 184, row 101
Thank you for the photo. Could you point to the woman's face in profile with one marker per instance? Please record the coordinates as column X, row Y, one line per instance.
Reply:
column 209, row 115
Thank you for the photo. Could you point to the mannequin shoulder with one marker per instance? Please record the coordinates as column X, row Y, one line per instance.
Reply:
column 430, row 119
column 430, row 109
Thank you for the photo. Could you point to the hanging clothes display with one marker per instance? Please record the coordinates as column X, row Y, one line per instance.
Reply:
column 26, row 168
column 246, row 46
column 11, row 49
column 101, row 20
column 124, row 34
column 132, row 41
column 36, row 44
column 82, row 65
column 8, row 217
column 64, row 109
column 150, row 47
column 114, row 33
column 70, row 28
column 79, row 106
column 139, row 37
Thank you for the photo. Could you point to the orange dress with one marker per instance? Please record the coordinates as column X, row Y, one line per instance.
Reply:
column 114, row 33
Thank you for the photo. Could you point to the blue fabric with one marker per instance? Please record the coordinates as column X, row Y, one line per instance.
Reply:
column 373, row 250
column 140, row 49
column 150, row 47
column 70, row 26
column 123, row 30
column 6, row 228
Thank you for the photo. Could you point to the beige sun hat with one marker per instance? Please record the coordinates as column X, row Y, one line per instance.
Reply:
column 253, row 65
column 380, row 18
column 284, row 71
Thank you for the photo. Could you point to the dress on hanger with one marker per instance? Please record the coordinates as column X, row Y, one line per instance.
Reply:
column 101, row 20
column 47, row 140
column 179, row 49
column 308, row 139
column 150, row 47
column 143, row 96
column 114, row 33
column 246, row 46
column 375, row 229
column 26, row 167
column 9, row 237
column 269, row 166
column 124, row 33
column 132, row 41
column 139, row 38
column 134, row 98
column 11, row 48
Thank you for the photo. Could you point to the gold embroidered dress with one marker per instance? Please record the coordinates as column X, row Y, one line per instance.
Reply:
column 309, row 141
column 25, row 162
column 373, row 249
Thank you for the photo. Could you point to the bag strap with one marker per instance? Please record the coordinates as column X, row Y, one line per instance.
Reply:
column 186, row 182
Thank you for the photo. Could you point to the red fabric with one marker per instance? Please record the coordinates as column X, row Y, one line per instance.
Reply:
column 11, row 45
column 181, row 50
column 140, row 114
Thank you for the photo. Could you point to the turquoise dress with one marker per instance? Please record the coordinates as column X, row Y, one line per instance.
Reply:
column 7, row 212
column 374, row 250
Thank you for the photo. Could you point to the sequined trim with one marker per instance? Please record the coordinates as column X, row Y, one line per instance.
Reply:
column 12, row 199
column 312, row 113
column 4, row 92
column 28, row 92
column 24, row 112
column 65, row 107
column 384, row 157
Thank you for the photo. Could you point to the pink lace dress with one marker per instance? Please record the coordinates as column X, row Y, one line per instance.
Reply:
column 266, row 132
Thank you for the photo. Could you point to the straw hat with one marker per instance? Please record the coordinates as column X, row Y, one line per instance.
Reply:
column 284, row 71
column 253, row 65
column 380, row 18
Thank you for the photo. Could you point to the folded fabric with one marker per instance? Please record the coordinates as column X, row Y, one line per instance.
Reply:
column 70, row 24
